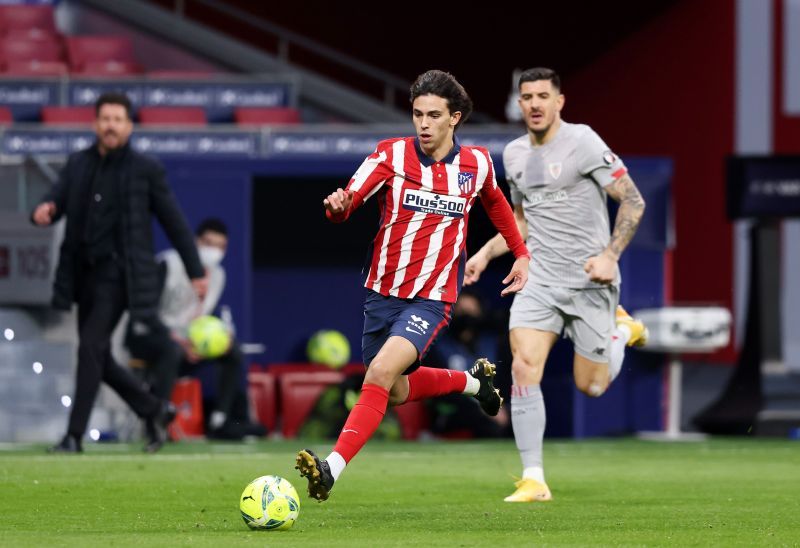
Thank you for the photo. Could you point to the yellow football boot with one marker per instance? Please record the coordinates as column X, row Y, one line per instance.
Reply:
column 530, row 490
column 639, row 332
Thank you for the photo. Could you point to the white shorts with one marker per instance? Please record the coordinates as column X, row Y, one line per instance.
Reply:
column 587, row 316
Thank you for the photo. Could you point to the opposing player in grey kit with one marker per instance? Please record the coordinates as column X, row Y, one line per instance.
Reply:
column 559, row 174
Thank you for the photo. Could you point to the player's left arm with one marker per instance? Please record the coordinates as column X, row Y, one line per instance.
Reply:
column 603, row 268
column 631, row 209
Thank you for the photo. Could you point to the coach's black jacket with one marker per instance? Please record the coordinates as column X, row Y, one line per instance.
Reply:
column 143, row 191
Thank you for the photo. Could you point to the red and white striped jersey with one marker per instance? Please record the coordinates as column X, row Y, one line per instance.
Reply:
column 425, row 206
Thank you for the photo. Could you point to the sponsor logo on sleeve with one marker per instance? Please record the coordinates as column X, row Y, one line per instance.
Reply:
column 435, row 204
column 609, row 157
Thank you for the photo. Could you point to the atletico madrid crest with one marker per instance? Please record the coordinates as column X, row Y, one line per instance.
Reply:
column 466, row 182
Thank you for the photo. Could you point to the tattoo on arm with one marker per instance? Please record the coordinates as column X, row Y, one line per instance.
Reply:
column 631, row 209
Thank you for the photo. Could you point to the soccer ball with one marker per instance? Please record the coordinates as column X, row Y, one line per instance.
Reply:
column 328, row 347
column 209, row 336
column 269, row 502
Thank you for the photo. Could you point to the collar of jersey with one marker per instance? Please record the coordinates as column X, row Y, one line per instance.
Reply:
column 427, row 161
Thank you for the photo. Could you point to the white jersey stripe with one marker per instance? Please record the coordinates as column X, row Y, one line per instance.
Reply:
column 407, row 243
column 398, row 156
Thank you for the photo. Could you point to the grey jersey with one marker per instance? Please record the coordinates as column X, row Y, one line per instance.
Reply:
column 560, row 187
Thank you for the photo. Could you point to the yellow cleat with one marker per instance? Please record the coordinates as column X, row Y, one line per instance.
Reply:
column 639, row 332
column 530, row 490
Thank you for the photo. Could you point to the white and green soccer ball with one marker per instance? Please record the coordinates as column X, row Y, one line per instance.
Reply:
column 269, row 502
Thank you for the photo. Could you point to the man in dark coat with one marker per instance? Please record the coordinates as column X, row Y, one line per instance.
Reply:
column 109, row 193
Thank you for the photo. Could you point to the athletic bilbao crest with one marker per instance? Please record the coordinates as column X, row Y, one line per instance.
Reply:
column 555, row 170
column 466, row 182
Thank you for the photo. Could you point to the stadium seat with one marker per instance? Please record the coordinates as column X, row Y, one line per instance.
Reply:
column 6, row 117
column 173, row 116
column 262, row 395
column 32, row 35
column 21, row 16
column 109, row 69
column 187, row 396
column 413, row 419
column 35, row 68
column 55, row 115
column 29, row 50
column 246, row 116
column 87, row 49
column 299, row 392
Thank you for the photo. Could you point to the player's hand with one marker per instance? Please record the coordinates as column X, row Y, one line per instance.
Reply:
column 44, row 212
column 200, row 286
column 474, row 268
column 601, row 268
column 517, row 277
column 338, row 202
column 188, row 349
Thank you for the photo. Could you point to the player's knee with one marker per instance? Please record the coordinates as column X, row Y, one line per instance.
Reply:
column 525, row 370
column 377, row 374
column 592, row 387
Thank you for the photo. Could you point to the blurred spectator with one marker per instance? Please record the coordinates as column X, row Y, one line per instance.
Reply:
column 109, row 193
column 164, row 344
column 473, row 334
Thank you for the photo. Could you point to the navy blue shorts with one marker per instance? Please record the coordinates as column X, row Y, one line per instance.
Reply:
column 418, row 320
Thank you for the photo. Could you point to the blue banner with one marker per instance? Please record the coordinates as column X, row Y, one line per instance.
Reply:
column 229, row 144
column 293, row 144
column 219, row 99
column 26, row 98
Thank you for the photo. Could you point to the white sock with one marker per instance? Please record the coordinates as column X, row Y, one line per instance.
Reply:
column 337, row 464
column 534, row 473
column 528, row 418
column 473, row 385
column 619, row 339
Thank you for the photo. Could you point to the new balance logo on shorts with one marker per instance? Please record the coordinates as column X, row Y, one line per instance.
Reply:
column 420, row 326
column 436, row 204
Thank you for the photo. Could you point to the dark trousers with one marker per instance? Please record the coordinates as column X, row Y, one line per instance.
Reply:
column 166, row 361
column 101, row 302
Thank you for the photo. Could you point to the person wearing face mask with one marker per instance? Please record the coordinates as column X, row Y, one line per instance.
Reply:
column 109, row 194
column 165, row 345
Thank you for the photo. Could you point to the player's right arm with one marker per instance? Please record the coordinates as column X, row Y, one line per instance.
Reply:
column 492, row 249
column 374, row 171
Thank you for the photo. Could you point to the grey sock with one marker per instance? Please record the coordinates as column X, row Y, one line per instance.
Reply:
column 528, row 419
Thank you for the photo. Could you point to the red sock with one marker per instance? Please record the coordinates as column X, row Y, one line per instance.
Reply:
column 362, row 421
column 427, row 382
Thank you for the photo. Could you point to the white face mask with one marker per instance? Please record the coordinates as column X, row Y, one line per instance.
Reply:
column 210, row 256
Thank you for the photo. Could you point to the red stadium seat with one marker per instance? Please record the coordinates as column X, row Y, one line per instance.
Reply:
column 246, row 116
column 181, row 74
column 35, row 68
column 174, row 116
column 87, row 49
column 187, row 396
column 68, row 115
column 29, row 50
column 26, row 17
column 6, row 118
column 299, row 393
column 109, row 69
column 33, row 35
column 263, row 397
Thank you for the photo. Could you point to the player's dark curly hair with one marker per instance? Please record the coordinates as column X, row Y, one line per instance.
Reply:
column 540, row 73
column 444, row 85
column 114, row 98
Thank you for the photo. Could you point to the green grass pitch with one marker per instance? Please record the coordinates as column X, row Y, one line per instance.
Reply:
column 620, row 492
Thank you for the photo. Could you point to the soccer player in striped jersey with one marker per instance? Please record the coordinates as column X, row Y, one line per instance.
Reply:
column 425, row 187
column 560, row 174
